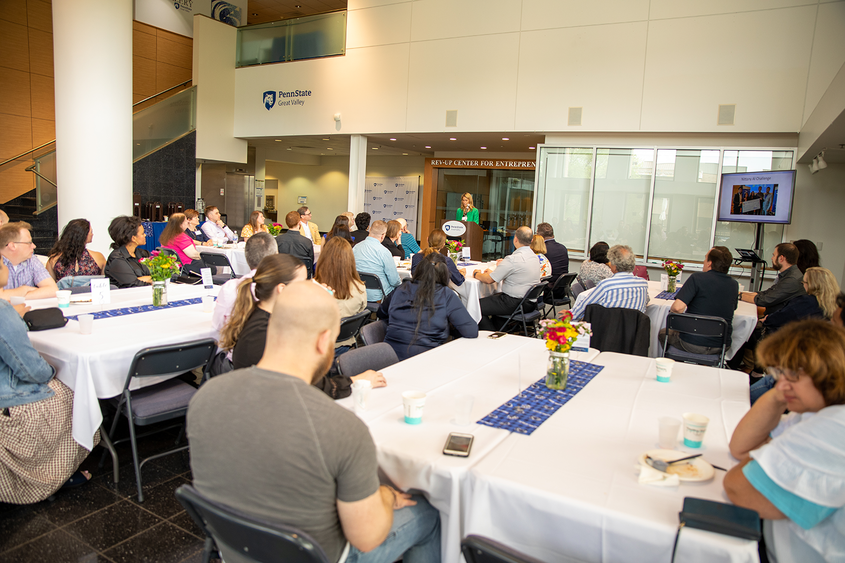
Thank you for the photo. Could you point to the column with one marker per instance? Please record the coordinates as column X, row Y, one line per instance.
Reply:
column 357, row 172
column 92, row 54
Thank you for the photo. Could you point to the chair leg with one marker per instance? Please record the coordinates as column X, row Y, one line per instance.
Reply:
column 111, row 434
column 135, row 456
column 109, row 446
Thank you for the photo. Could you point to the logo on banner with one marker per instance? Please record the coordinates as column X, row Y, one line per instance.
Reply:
column 269, row 99
column 398, row 199
column 187, row 5
column 454, row 228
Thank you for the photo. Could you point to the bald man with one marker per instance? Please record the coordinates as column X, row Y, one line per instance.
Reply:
column 265, row 441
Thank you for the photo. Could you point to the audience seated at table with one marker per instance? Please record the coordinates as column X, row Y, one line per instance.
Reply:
column 214, row 227
column 373, row 258
column 70, row 259
column 193, row 231
column 336, row 269
column 292, row 242
column 808, row 254
column 173, row 237
column 27, row 275
column 123, row 266
column 594, row 270
column 436, row 243
column 393, row 239
column 623, row 290
column 362, row 226
column 418, row 313
column 264, row 442
column 409, row 243
column 339, row 229
column 711, row 292
column 37, row 451
column 255, row 225
column 792, row 469
column 538, row 245
column 787, row 285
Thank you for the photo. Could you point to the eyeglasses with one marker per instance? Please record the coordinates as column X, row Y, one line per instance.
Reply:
column 24, row 242
column 778, row 374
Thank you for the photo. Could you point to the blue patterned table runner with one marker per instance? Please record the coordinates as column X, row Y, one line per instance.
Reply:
column 667, row 295
column 140, row 309
column 531, row 408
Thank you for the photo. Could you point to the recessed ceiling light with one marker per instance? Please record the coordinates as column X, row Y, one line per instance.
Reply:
column 329, row 149
column 375, row 148
column 290, row 149
column 532, row 148
column 298, row 6
column 428, row 146
column 452, row 139
column 278, row 140
column 326, row 139
column 392, row 139
column 404, row 154
column 254, row 13
column 485, row 148
column 506, row 138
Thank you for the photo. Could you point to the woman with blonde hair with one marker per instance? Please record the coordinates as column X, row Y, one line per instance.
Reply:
column 467, row 211
column 392, row 239
column 436, row 243
column 255, row 225
column 336, row 269
column 538, row 245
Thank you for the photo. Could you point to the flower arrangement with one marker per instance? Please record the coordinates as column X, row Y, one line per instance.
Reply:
column 673, row 268
column 161, row 266
column 561, row 333
column 274, row 229
column 454, row 246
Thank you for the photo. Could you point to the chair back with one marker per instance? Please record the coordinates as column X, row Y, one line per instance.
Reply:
column 371, row 281
column 699, row 325
column 212, row 259
column 478, row 549
column 172, row 359
column 561, row 290
column 617, row 329
column 532, row 295
column 376, row 356
column 576, row 289
column 242, row 538
column 641, row 272
column 350, row 326
column 373, row 333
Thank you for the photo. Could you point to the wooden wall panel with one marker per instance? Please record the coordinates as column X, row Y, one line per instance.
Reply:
column 143, row 77
column 40, row 52
column 13, row 11
column 43, row 131
column 168, row 75
column 39, row 15
column 43, row 97
column 144, row 45
column 14, row 92
column 13, row 45
column 174, row 53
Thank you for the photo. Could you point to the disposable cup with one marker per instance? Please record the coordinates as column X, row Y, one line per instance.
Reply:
column 668, row 432
column 396, row 260
column 463, row 409
column 86, row 324
column 413, row 401
column 741, row 287
column 63, row 297
column 361, row 395
column 664, row 369
column 17, row 300
column 207, row 303
column 695, row 425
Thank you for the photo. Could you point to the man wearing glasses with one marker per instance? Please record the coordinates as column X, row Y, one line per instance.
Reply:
column 27, row 275
column 308, row 229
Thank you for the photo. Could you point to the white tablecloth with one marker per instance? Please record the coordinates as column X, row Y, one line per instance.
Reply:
column 96, row 365
column 470, row 292
column 569, row 491
column 412, row 456
column 236, row 256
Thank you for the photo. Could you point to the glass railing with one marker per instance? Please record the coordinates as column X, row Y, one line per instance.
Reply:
column 44, row 168
column 310, row 37
column 163, row 123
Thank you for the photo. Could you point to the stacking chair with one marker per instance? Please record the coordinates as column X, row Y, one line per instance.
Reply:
column 518, row 316
column 350, row 326
column 617, row 329
column 478, row 549
column 700, row 325
column 561, row 285
column 241, row 538
column 167, row 400
column 372, row 281
column 376, row 357
column 214, row 261
column 373, row 333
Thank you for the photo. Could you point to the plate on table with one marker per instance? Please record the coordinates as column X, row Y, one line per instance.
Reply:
column 695, row 470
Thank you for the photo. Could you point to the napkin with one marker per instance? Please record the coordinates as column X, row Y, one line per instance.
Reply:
column 651, row 476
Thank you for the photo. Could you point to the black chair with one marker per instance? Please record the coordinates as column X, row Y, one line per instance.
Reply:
column 372, row 281
column 519, row 314
column 699, row 325
column 617, row 329
column 376, row 356
column 373, row 333
column 213, row 261
column 561, row 285
column 163, row 401
column 350, row 326
column 478, row 549
column 241, row 538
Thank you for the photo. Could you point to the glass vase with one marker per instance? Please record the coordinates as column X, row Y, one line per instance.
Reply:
column 672, row 281
column 557, row 370
column 454, row 257
column 159, row 293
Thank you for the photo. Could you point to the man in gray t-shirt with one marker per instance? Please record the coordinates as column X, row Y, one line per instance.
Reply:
column 266, row 442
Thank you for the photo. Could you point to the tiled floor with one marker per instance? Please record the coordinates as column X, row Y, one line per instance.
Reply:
column 101, row 521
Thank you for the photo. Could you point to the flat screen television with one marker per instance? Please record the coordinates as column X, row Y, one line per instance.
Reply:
column 757, row 197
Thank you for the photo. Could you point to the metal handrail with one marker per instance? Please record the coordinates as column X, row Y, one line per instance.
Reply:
column 27, row 152
column 162, row 92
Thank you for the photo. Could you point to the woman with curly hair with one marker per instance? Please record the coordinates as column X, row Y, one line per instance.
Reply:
column 70, row 257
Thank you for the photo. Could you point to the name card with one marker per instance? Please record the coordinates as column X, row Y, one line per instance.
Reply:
column 100, row 291
column 207, row 282
column 465, row 253
column 664, row 282
column 582, row 343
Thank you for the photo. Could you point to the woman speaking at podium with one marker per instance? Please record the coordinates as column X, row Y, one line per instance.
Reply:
column 467, row 211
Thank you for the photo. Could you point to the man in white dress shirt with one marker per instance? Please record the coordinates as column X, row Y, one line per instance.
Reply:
column 623, row 290
column 214, row 227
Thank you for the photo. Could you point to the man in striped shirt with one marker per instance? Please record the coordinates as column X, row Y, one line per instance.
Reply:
column 623, row 290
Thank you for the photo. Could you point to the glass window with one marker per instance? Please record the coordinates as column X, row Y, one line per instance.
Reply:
column 682, row 210
column 564, row 199
column 620, row 198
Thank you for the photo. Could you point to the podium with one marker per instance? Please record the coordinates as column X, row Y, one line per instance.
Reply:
column 472, row 235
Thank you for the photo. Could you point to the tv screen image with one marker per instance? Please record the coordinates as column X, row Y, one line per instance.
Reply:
column 757, row 197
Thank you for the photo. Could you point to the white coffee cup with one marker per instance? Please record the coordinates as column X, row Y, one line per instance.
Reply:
column 463, row 409
column 695, row 425
column 361, row 395
column 86, row 324
column 668, row 432
column 664, row 369
column 63, row 297
column 413, row 402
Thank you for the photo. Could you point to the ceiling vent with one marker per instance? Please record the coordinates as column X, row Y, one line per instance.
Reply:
column 574, row 116
column 726, row 114
column 452, row 118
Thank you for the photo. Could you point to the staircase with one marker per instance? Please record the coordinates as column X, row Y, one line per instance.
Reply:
column 44, row 225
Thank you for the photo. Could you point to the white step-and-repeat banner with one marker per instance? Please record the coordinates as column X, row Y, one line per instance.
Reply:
column 389, row 198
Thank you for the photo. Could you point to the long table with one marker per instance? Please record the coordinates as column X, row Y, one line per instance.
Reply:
column 569, row 491
column 235, row 254
column 95, row 366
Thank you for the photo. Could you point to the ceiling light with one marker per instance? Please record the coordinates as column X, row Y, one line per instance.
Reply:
column 815, row 167
column 375, row 148
column 428, row 146
column 485, row 148
column 404, row 154
column 329, row 149
column 452, row 139
column 278, row 140
column 298, row 6
column 254, row 13
column 532, row 148
column 290, row 149
column 392, row 139
column 506, row 138
column 326, row 139
column 822, row 163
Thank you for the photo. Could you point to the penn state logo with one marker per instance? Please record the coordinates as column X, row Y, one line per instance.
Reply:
column 269, row 99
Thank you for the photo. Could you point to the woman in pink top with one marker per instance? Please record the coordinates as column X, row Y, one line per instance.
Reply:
column 173, row 237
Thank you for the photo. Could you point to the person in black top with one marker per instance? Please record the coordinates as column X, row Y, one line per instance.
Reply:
column 392, row 239
column 556, row 254
column 711, row 292
column 123, row 266
column 787, row 285
column 296, row 245
column 362, row 222
column 808, row 254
